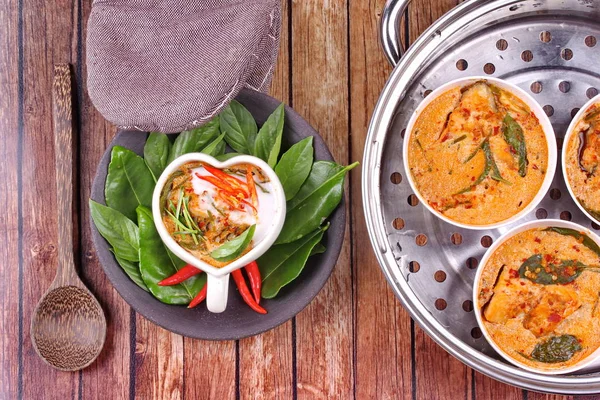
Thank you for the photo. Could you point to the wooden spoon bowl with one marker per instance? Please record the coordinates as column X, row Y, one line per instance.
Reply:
column 68, row 328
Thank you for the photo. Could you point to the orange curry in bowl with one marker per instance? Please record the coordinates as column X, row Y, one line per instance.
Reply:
column 478, row 154
column 538, row 296
column 581, row 161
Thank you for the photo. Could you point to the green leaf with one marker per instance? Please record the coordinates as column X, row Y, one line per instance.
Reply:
column 158, row 263
column 583, row 238
column 556, row 349
column 156, row 152
column 239, row 127
column 551, row 274
column 283, row 263
column 268, row 140
column 312, row 211
column 195, row 139
column 294, row 167
column 132, row 269
column 214, row 147
column 227, row 156
column 513, row 135
column 129, row 182
column 232, row 249
column 320, row 173
column 318, row 249
column 119, row 231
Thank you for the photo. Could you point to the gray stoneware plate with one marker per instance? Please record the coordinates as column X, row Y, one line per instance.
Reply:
column 238, row 320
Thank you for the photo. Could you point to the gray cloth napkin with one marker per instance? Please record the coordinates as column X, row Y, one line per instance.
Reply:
column 172, row 65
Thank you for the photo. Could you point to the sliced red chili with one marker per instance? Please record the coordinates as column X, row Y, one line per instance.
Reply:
column 231, row 180
column 245, row 292
column 255, row 279
column 184, row 273
column 199, row 297
column 219, row 184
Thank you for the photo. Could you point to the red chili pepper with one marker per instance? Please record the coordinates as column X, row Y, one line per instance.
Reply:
column 252, row 187
column 255, row 279
column 199, row 297
column 222, row 185
column 184, row 273
column 245, row 292
column 232, row 201
column 231, row 180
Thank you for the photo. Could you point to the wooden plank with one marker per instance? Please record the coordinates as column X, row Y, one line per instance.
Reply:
column 10, row 341
column 48, row 32
column 488, row 388
column 438, row 374
column 266, row 360
column 383, row 362
column 112, row 368
column 324, row 329
column 159, row 362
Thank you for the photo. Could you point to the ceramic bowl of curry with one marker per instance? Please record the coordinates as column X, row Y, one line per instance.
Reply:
column 580, row 158
column 480, row 153
column 536, row 297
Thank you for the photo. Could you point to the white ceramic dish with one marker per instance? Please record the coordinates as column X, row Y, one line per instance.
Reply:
column 533, row 105
column 570, row 129
column 593, row 360
column 218, row 278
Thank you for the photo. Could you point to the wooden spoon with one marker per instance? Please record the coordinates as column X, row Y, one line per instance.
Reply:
column 68, row 327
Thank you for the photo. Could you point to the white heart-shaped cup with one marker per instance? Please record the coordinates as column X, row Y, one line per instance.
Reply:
column 218, row 278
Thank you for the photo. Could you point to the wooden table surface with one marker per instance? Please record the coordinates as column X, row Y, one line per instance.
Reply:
column 353, row 341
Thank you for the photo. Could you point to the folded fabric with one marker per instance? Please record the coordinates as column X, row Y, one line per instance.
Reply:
column 171, row 65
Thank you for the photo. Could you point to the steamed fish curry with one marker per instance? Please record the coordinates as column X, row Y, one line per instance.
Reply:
column 581, row 161
column 478, row 154
column 217, row 215
column 538, row 297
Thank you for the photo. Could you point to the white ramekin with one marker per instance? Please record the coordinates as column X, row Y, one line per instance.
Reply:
column 593, row 360
column 531, row 103
column 568, row 135
column 218, row 278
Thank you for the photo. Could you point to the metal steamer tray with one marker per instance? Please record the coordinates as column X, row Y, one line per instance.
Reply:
column 548, row 48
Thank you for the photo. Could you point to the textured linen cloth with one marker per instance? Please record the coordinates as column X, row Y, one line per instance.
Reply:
column 174, row 64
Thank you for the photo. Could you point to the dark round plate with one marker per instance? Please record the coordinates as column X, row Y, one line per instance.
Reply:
column 238, row 320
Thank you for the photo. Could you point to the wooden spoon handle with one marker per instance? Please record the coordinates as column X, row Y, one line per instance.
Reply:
column 63, row 148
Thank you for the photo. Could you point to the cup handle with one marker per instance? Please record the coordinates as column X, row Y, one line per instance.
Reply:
column 216, row 296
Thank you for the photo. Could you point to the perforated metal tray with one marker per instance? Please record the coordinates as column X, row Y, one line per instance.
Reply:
column 548, row 48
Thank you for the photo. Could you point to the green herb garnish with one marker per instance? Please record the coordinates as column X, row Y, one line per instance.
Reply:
column 556, row 349
column 513, row 135
column 233, row 248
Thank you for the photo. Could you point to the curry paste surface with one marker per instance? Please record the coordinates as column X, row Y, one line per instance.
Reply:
column 581, row 161
column 464, row 164
column 520, row 313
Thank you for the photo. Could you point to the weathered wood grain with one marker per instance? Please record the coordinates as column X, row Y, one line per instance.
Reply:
column 382, row 327
column 324, row 330
column 10, row 136
column 488, row 388
column 159, row 363
column 209, row 370
column 47, row 38
column 113, row 366
column 265, row 361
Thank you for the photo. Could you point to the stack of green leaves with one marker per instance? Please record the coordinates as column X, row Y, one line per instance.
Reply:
column 313, row 190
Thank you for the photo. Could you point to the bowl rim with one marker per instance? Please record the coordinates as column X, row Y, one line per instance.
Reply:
column 539, row 113
column 259, row 249
column 563, row 156
column 594, row 356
